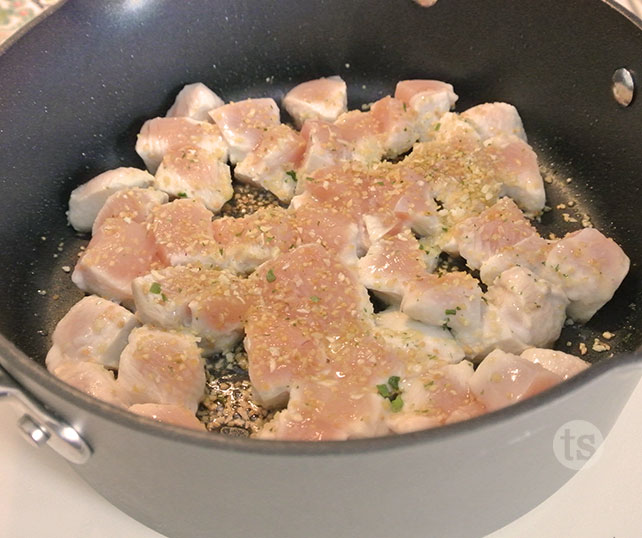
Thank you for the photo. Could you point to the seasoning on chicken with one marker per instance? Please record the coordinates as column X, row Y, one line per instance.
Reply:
column 321, row 99
column 589, row 267
column 243, row 124
column 132, row 204
column 194, row 101
column 398, row 125
column 162, row 367
column 94, row 330
column 192, row 172
column 170, row 414
column 493, row 119
column 529, row 253
column 210, row 304
column 118, row 252
column 272, row 164
column 86, row 201
column 181, row 231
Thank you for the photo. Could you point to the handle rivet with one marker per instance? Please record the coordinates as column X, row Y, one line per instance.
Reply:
column 623, row 86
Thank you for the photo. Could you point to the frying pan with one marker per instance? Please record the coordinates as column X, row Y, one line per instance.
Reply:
column 73, row 94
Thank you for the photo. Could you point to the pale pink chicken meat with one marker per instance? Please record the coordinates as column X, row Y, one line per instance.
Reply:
column 94, row 330
column 273, row 162
column 397, row 124
column 131, row 204
column 208, row 303
column 429, row 99
column 523, row 311
column 589, row 267
column 529, row 253
column 87, row 200
column 480, row 237
column 118, row 252
column 160, row 135
column 93, row 379
column 502, row 379
column 192, row 172
column 493, row 119
column 162, row 367
column 391, row 264
column 182, row 233
column 170, row 414
column 194, row 101
column 558, row 362
column 244, row 123
column 321, row 99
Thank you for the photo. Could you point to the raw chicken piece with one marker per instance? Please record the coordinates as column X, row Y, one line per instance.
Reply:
column 308, row 322
column 86, row 201
column 502, row 379
column 391, row 264
column 194, row 101
column 210, row 304
column 93, row 379
column 118, row 252
column 438, row 397
column 94, row 330
column 558, row 362
column 518, row 171
column 169, row 414
column 523, row 311
column 452, row 301
column 321, row 99
column 492, row 119
column 273, row 162
column 423, row 344
column 160, row 135
column 324, row 148
column 361, row 130
column 479, row 238
column 589, row 267
column 133, row 204
column 247, row 242
column 529, row 253
column 182, row 233
column 244, row 123
column 429, row 99
column 398, row 125
column 162, row 367
column 192, row 172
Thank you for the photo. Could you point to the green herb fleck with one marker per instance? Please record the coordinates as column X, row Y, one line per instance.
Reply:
column 397, row 404
column 380, row 183
column 314, row 299
column 292, row 174
column 405, row 107
column 437, row 126
column 451, row 312
column 164, row 297
column 383, row 391
column 155, row 288
column 270, row 276
column 393, row 381
column 182, row 195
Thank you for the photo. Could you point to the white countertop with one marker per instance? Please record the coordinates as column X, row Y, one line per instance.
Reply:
column 40, row 495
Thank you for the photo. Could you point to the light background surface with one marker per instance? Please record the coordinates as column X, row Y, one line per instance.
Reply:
column 40, row 495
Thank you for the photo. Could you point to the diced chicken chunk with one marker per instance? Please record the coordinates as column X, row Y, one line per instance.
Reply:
column 86, row 201
column 321, row 99
column 162, row 367
column 502, row 379
column 244, row 123
column 191, row 172
column 398, row 125
column 429, row 99
column 529, row 253
column 493, row 119
column 93, row 379
column 558, row 362
column 194, row 101
column 118, row 252
column 182, row 233
column 273, row 162
column 523, row 311
column 589, row 267
column 169, row 414
column 132, row 204
column 160, row 135
column 94, row 330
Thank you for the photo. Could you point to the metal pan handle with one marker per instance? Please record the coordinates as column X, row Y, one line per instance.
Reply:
column 39, row 427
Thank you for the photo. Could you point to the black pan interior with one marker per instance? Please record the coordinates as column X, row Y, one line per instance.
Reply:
column 75, row 91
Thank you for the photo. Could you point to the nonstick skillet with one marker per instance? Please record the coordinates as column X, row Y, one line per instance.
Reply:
column 75, row 90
